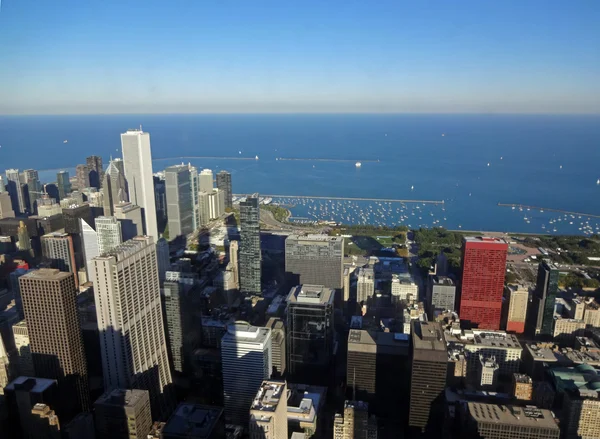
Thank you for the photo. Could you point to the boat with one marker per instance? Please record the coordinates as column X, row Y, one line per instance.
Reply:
column 358, row 164
column 412, row 188
column 598, row 182
column 488, row 164
column 256, row 158
column 65, row 141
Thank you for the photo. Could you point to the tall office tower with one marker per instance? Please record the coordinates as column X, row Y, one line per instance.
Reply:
column 63, row 183
column 24, row 242
column 545, row 293
column 123, row 414
column 137, row 159
column 94, row 165
column 82, row 173
column 518, row 298
column 315, row 259
column 441, row 295
column 268, row 412
column 250, row 256
column 246, row 359
column 32, row 189
column 494, row 421
column 365, row 284
column 5, row 367
column 58, row 252
column 310, row 332
column 205, row 181
column 355, row 423
column 128, row 309
column 73, row 213
column 233, row 262
column 194, row 189
column 224, row 185
column 15, row 289
column 6, row 208
column 114, row 189
column 15, row 188
column 108, row 229
column 278, row 340
column 163, row 258
column 180, row 210
column 130, row 217
column 89, row 245
column 160, row 197
column 183, row 335
column 50, row 305
column 428, row 381
column 22, row 343
column 21, row 395
column 484, row 267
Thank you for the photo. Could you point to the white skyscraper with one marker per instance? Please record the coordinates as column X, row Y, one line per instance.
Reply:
column 137, row 158
column 89, row 244
column 206, row 181
column 194, row 189
column 365, row 286
column 108, row 229
column 128, row 308
column 246, row 359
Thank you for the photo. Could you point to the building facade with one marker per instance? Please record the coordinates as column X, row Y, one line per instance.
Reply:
column 114, row 189
column 180, row 207
column 518, row 299
column 268, row 412
column 95, row 170
column 365, row 284
column 224, row 185
column 123, row 414
column 58, row 252
column 249, row 254
column 355, row 423
column 546, row 291
column 108, row 230
column 315, row 259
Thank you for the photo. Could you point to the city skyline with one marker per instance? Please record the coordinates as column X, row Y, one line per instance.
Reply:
column 504, row 57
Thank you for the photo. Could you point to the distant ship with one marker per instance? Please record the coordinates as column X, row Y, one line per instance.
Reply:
column 598, row 182
column 359, row 164
column 256, row 158
column 412, row 188
column 65, row 141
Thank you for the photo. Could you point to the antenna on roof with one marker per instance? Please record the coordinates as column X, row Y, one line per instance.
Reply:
column 141, row 127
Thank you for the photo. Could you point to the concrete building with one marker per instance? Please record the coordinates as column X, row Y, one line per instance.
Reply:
column 137, row 160
column 247, row 362
column 50, row 306
column 128, row 310
column 6, row 210
column 48, row 207
column 250, row 255
column 95, row 170
column 14, row 187
column 23, row 346
column 44, row 422
column 58, row 252
column 404, row 288
column 355, row 423
column 518, row 299
column 488, row 371
column 441, row 295
column 194, row 189
column 535, row 356
column 82, row 175
column 108, row 230
column 224, row 185
column 545, row 293
column 123, row 414
column 310, row 332
column 205, row 179
column 180, row 207
column 24, row 240
column 565, row 330
column 63, row 183
column 522, row 387
column 315, row 260
column 494, row 421
column 163, row 258
column 268, row 412
column 592, row 314
column 278, row 340
column 114, row 189
column 304, row 408
column 365, row 284
column 89, row 245
column 195, row 421
column 429, row 368
column 130, row 217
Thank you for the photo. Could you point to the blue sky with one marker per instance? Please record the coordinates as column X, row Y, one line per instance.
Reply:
column 133, row 56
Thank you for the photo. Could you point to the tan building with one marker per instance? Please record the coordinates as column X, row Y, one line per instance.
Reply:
column 565, row 330
column 45, row 423
column 582, row 414
column 522, row 387
column 21, row 335
column 355, row 423
column 268, row 412
column 517, row 308
column 123, row 414
column 592, row 314
column 278, row 358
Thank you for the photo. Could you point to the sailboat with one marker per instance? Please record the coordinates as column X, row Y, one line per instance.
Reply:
column 598, row 182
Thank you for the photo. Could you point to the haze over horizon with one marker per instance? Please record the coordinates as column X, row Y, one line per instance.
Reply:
column 111, row 57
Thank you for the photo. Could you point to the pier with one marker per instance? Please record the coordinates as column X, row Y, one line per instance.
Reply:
column 387, row 200
column 567, row 212
column 329, row 160
column 194, row 157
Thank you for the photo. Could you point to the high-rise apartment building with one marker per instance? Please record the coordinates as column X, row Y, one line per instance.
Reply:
column 50, row 304
column 565, row 330
column 137, row 158
column 108, row 230
column 114, row 189
column 246, row 359
column 180, row 207
column 82, row 174
column 545, row 294
column 365, row 284
column 130, row 217
column 24, row 241
column 518, row 298
column 310, row 332
column 278, row 341
column 63, row 183
column 234, row 265
column 268, row 412
column 428, row 381
column 484, row 267
column 128, row 309
column 95, row 171
column 14, row 187
column 205, row 181
column 355, row 423
column 123, row 414
column 194, row 189
column 6, row 208
column 23, row 346
column 224, row 185
column 315, row 259
column 250, row 256
column 58, row 252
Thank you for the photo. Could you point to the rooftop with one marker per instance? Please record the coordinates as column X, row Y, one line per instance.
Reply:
column 485, row 239
column 268, row 396
column 122, row 397
column 529, row 416
column 522, row 378
column 47, row 274
column 376, row 341
column 35, row 385
column 193, row 420
column 582, row 377
column 541, row 353
column 428, row 336
column 127, row 248
column 239, row 332
column 311, row 294
column 315, row 238
column 442, row 280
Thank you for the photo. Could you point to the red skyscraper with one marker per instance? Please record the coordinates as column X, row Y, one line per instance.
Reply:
column 484, row 265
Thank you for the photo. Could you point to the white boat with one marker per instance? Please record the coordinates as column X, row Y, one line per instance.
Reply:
column 65, row 141
column 598, row 182
column 412, row 188
column 358, row 164
column 256, row 158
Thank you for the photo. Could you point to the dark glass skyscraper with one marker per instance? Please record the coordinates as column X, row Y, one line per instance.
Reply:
column 180, row 212
column 63, row 183
column 546, row 290
column 94, row 166
column 224, row 184
column 250, row 257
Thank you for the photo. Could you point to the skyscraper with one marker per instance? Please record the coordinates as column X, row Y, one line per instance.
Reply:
column 278, row 341
column 50, row 305
column 315, row 259
column 355, row 423
column 137, row 158
column 108, row 230
column 365, row 284
column 82, row 174
column 89, row 246
column 163, row 258
column 58, row 252
column 94, row 166
column 114, row 189
column 6, row 208
column 128, row 309
column 130, row 217
column 63, row 183
column 268, row 412
column 545, row 293
column 205, row 183
column 121, row 413
column 224, row 185
column 15, row 188
column 180, row 210
column 484, row 267
column 429, row 367
column 518, row 297
column 250, row 256
column 23, row 345
column 246, row 358
column 194, row 189
column 310, row 332
column 32, row 188
column 24, row 242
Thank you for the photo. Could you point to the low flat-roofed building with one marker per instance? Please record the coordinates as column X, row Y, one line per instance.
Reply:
column 268, row 411
column 195, row 421
column 535, row 357
column 565, row 330
column 522, row 387
column 304, row 407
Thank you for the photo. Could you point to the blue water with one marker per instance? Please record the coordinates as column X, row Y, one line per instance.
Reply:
column 410, row 148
